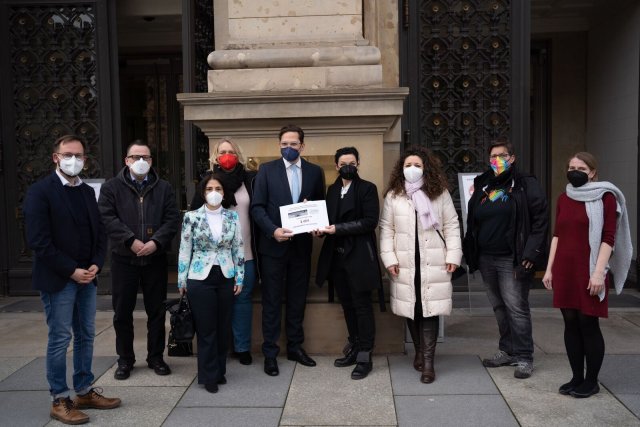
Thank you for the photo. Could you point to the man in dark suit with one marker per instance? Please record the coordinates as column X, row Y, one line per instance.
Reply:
column 349, row 257
column 67, row 238
column 285, row 258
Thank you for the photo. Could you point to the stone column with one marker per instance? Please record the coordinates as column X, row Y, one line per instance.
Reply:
column 303, row 62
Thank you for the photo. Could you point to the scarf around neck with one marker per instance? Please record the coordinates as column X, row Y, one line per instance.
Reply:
column 591, row 194
column 422, row 204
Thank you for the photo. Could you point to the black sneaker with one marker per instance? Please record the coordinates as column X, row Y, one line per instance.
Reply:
column 123, row 371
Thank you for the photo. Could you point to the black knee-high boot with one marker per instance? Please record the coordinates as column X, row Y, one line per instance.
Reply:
column 429, row 339
column 415, row 330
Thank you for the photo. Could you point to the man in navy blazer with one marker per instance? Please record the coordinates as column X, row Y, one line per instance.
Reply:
column 284, row 258
column 66, row 235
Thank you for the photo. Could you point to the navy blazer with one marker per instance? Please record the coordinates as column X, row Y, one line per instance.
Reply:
column 270, row 191
column 51, row 225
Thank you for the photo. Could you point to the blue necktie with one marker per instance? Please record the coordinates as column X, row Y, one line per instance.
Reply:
column 295, row 184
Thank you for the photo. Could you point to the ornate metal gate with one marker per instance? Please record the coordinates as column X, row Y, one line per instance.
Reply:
column 55, row 79
column 467, row 75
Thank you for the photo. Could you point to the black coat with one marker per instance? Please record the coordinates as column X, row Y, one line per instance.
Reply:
column 51, row 225
column 127, row 214
column 356, row 218
column 528, row 226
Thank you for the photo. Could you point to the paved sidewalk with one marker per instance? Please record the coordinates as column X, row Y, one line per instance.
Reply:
column 464, row 393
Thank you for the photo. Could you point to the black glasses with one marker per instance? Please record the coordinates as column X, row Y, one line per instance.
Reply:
column 137, row 157
column 69, row 156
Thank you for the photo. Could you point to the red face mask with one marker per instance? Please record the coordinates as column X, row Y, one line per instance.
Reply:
column 228, row 161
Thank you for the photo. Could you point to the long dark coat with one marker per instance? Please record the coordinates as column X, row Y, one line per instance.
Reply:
column 356, row 218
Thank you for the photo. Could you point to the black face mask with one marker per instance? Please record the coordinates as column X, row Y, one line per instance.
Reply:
column 577, row 178
column 348, row 172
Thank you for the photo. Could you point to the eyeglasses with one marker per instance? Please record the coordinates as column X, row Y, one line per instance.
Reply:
column 292, row 144
column 503, row 156
column 69, row 156
column 137, row 157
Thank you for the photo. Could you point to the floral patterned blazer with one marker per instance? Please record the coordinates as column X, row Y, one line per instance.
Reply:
column 199, row 251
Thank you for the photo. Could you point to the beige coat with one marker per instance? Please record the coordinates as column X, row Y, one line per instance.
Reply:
column 397, row 246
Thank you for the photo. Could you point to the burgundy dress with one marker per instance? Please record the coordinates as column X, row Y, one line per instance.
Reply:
column 571, row 264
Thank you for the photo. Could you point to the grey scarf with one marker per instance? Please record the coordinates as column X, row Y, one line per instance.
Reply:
column 591, row 193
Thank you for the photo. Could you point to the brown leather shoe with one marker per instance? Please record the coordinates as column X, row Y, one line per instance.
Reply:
column 95, row 400
column 64, row 411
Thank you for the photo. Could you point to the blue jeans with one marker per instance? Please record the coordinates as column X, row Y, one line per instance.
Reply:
column 243, row 310
column 71, row 309
column 509, row 298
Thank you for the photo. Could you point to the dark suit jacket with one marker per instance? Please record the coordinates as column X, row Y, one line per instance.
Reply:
column 51, row 226
column 356, row 218
column 270, row 191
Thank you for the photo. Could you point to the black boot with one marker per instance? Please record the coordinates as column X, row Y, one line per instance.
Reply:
column 414, row 330
column 429, row 339
column 364, row 365
column 350, row 355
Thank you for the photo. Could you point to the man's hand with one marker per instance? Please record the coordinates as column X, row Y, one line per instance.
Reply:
column 94, row 269
column 182, row 290
column 237, row 289
column 282, row 234
column 82, row 276
column 137, row 246
column 148, row 248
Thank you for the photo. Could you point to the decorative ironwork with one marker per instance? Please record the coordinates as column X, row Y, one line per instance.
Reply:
column 53, row 68
column 464, row 66
column 204, row 44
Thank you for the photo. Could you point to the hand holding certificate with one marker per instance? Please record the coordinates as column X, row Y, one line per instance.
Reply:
column 304, row 217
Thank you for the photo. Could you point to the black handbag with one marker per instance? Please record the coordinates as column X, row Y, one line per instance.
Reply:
column 179, row 349
column 181, row 320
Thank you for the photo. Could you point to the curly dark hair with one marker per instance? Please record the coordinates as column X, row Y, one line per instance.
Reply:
column 435, row 180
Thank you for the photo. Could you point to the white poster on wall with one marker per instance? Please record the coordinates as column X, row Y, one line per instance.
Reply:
column 465, row 184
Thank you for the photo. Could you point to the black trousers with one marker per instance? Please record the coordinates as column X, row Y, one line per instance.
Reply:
column 126, row 279
column 286, row 276
column 357, row 306
column 211, row 302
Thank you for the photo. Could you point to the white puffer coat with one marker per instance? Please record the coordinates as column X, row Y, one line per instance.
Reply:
column 397, row 246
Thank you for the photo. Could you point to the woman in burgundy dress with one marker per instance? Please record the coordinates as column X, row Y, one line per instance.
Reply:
column 579, row 260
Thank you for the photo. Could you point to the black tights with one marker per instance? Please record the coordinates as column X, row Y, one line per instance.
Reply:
column 583, row 340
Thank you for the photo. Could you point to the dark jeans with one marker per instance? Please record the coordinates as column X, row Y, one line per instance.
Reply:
column 509, row 298
column 126, row 279
column 211, row 302
column 289, row 276
column 71, row 311
column 357, row 306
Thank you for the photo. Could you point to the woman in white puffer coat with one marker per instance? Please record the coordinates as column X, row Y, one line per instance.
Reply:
column 420, row 247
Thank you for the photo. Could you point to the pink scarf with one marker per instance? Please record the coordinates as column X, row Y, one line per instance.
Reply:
column 422, row 204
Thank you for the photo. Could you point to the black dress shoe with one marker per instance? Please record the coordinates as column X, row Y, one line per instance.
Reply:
column 211, row 387
column 364, row 365
column 301, row 357
column 348, row 359
column 123, row 371
column 222, row 380
column 271, row 366
column 159, row 367
column 567, row 388
column 244, row 357
column 581, row 392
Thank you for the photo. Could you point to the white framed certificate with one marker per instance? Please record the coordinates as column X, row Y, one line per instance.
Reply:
column 304, row 217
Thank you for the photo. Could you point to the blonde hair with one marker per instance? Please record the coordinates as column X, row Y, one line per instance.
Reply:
column 213, row 160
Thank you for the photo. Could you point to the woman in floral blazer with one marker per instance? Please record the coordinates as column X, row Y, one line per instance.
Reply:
column 210, row 272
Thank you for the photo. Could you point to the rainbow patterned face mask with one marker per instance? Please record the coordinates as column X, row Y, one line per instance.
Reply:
column 499, row 165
